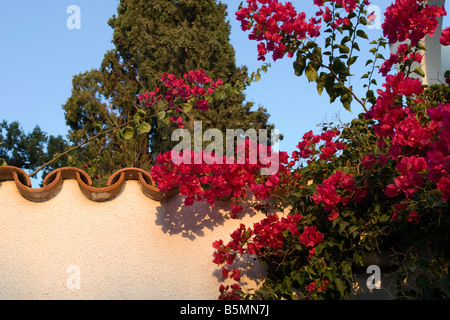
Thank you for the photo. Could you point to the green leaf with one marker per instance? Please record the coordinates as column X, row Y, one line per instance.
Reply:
column 140, row 114
column 319, row 248
column 98, row 127
column 342, row 226
column 421, row 46
column 340, row 286
column 419, row 71
column 346, row 100
column 161, row 115
column 351, row 61
column 265, row 67
column 344, row 49
column 339, row 66
column 299, row 65
column 162, row 105
column 357, row 259
column 144, row 127
column 321, row 83
column 220, row 94
column 352, row 229
column 166, row 120
column 362, row 34
column 127, row 133
column 345, row 40
column 229, row 90
column 187, row 107
column 363, row 21
column 311, row 73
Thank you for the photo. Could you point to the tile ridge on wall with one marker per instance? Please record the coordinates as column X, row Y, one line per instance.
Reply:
column 53, row 182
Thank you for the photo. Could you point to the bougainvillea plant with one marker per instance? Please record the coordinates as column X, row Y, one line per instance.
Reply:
column 378, row 184
column 179, row 95
column 220, row 180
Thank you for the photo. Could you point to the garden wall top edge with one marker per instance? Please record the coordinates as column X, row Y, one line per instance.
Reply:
column 53, row 182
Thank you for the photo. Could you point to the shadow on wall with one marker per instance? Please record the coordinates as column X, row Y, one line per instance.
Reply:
column 253, row 272
column 191, row 221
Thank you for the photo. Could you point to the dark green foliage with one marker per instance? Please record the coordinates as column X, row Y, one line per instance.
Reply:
column 30, row 150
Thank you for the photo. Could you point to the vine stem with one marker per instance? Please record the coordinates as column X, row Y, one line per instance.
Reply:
column 83, row 143
column 346, row 88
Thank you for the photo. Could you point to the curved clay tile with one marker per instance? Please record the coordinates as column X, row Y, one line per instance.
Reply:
column 53, row 181
column 148, row 185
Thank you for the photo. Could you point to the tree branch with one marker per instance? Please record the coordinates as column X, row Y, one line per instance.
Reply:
column 347, row 88
column 85, row 142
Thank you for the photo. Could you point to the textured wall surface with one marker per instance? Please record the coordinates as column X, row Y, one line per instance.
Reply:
column 131, row 247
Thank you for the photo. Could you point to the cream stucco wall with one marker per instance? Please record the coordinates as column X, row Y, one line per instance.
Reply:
column 131, row 247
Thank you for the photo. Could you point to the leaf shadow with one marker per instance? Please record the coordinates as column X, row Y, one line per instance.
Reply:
column 191, row 221
column 252, row 270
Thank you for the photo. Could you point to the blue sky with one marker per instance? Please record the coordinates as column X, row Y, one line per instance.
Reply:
column 39, row 55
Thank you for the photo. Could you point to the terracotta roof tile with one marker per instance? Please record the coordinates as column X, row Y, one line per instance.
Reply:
column 53, row 182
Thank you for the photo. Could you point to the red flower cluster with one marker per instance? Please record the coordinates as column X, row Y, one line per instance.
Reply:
column 349, row 5
column 208, row 182
column 412, row 20
column 387, row 110
column 232, row 294
column 445, row 37
column 419, row 143
column 444, row 186
column 311, row 238
column 337, row 20
column 426, row 141
column 270, row 234
column 277, row 26
column 369, row 161
column 409, row 135
column 403, row 54
column 328, row 195
column 412, row 216
column 194, row 84
column 312, row 287
column 410, row 178
column 308, row 146
column 268, row 19
column 437, row 155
